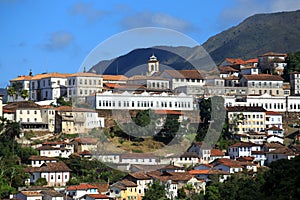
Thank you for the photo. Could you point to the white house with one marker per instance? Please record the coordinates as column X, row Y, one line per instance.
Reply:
column 273, row 119
column 280, row 153
column 295, row 83
column 55, row 173
column 241, row 149
column 79, row 191
column 178, row 78
column 29, row 195
column 259, row 84
column 275, row 134
column 37, row 161
column 245, row 118
column 83, row 84
column 51, row 151
column 202, row 151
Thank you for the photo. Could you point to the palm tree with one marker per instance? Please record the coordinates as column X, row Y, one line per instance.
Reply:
column 11, row 91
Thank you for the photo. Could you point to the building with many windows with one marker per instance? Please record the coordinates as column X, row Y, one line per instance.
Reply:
column 295, row 83
column 83, row 84
column 141, row 101
column 243, row 119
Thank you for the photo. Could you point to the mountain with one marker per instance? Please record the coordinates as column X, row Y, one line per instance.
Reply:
column 4, row 93
column 258, row 34
column 135, row 62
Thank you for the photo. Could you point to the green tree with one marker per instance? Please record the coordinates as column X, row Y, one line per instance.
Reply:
column 24, row 94
column 156, row 191
column 212, row 193
column 41, row 182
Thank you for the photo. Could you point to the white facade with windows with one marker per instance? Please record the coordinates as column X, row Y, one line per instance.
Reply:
column 83, row 84
column 268, row 102
column 143, row 101
column 295, row 83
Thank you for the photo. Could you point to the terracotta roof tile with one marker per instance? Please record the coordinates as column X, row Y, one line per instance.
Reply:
column 41, row 158
column 114, row 77
column 216, row 152
column 81, row 186
column 207, row 172
column 50, row 167
column 235, row 61
column 263, row 77
column 140, row 176
column 272, row 113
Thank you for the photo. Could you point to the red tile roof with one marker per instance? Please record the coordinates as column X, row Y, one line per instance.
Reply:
column 263, row 77
column 243, row 144
column 207, row 172
column 99, row 196
column 167, row 112
column 41, row 158
column 216, row 152
column 81, row 186
column 235, row 61
column 274, row 128
column 139, row 176
column 254, row 60
column 272, row 113
column 50, row 167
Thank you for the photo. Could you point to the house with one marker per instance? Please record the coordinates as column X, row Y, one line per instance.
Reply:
column 46, row 86
column 117, row 79
column 176, row 180
column 29, row 195
column 259, row 84
column 268, row 147
column 142, row 181
column 55, row 173
column 152, row 83
column 215, row 154
column 202, row 151
column 236, row 63
column 272, row 63
column 185, row 159
column 72, row 120
column 206, row 173
column 241, row 149
column 30, row 115
column 259, row 157
column 227, row 71
column 82, row 84
column 227, row 165
column 246, row 118
column 295, row 83
column 124, row 189
column 178, row 78
column 37, row 161
column 50, row 151
column 78, row 191
column 139, row 158
column 280, row 153
column 171, row 168
column 275, row 134
column 84, row 144
column 254, row 137
column 52, row 195
column 273, row 119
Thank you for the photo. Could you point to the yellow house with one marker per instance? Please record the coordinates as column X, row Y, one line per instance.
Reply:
column 124, row 190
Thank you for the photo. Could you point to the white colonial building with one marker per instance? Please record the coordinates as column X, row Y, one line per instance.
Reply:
column 295, row 83
column 268, row 102
column 259, row 84
column 141, row 101
column 83, row 84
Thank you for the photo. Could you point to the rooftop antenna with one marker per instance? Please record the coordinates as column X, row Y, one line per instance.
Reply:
column 84, row 70
column 30, row 72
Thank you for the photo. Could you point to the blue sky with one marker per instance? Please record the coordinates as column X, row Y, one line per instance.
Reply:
column 56, row 36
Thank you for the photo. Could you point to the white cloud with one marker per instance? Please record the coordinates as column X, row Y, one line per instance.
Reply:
column 246, row 8
column 58, row 40
column 88, row 11
column 149, row 19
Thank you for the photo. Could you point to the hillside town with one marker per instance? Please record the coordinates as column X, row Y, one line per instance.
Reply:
column 64, row 116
